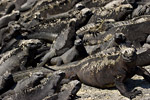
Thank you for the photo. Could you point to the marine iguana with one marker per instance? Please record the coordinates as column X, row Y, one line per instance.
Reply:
column 55, row 23
column 21, row 5
column 24, row 5
column 116, row 9
column 50, row 37
column 66, row 39
column 142, row 58
column 51, row 88
column 15, row 5
column 95, row 44
column 77, row 52
column 32, row 81
column 29, row 4
column 40, row 91
column 3, row 6
column 52, row 26
column 8, row 61
column 69, row 14
column 63, row 43
column 96, row 26
column 25, row 83
column 119, row 67
column 134, row 26
column 6, row 82
column 44, row 9
column 7, row 18
column 11, row 64
column 132, row 29
column 117, row 40
column 48, row 8
column 8, row 36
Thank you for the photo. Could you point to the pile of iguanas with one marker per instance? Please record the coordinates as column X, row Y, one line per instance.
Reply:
column 101, row 43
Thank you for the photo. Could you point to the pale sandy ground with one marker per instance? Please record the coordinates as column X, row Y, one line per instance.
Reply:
column 137, row 82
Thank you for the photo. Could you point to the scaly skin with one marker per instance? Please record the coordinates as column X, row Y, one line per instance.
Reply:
column 118, row 66
column 77, row 52
column 143, row 58
column 17, row 58
column 40, row 91
column 132, row 29
column 13, row 63
column 8, row 18
column 67, row 37
column 25, row 83
column 50, row 37
column 63, row 43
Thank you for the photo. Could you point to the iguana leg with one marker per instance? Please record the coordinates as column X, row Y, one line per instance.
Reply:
column 47, row 57
column 123, row 90
column 56, row 61
column 59, row 61
column 143, row 72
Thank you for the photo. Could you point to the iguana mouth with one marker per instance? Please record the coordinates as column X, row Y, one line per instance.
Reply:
column 129, row 54
column 129, row 58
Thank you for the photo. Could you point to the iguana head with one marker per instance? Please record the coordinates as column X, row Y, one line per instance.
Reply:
column 86, row 12
column 78, row 42
column 16, row 15
column 128, row 54
column 79, row 6
column 119, row 38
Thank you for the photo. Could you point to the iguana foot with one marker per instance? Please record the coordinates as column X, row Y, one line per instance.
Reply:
column 133, row 93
